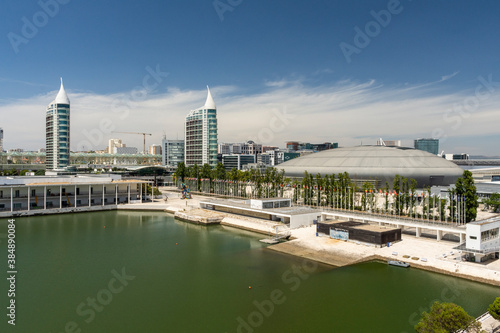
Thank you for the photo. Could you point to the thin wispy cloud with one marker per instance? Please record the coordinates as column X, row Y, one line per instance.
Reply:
column 8, row 80
column 341, row 112
column 447, row 77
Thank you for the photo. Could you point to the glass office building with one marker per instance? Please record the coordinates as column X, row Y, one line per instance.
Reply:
column 428, row 145
column 57, row 131
column 172, row 152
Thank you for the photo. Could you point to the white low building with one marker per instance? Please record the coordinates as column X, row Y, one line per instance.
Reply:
column 38, row 193
column 482, row 239
column 272, row 209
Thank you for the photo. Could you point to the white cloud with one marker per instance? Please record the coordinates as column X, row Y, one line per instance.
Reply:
column 447, row 77
column 345, row 112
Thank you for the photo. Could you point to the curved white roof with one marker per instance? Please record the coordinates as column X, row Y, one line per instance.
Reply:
column 377, row 163
column 209, row 103
column 62, row 97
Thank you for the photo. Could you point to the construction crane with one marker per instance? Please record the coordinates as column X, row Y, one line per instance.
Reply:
column 143, row 134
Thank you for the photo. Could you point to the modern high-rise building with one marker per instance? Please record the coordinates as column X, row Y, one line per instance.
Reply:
column 57, row 131
column 1, row 140
column 428, row 145
column 201, row 135
column 172, row 152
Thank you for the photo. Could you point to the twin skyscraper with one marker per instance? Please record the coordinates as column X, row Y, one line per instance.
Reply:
column 200, row 140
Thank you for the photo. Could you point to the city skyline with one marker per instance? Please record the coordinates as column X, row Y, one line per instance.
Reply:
column 313, row 72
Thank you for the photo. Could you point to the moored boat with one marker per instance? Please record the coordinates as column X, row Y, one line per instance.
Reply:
column 398, row 263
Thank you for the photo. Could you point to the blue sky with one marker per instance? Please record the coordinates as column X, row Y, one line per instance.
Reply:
column 414, row 72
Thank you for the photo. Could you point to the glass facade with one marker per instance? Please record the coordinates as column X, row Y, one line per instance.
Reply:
column 428, row 145
column 172, row 152
column 236, row 161
column 201, row 136
column 57, row 132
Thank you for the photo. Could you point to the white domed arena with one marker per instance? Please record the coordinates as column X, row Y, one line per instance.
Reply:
column 377, row 164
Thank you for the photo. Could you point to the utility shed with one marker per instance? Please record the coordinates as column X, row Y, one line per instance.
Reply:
column 358, row 231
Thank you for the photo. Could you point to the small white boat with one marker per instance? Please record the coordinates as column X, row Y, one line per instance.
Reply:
column 398, row 263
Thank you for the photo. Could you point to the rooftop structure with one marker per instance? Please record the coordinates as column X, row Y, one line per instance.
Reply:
column 389, row 143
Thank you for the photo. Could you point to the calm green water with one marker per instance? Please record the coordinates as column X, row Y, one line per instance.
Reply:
column 68, row 267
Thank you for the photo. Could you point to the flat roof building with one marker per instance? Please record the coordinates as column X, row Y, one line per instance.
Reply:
column 359, row 232
column 33, row 195
column 482, row 240
column 236, row 161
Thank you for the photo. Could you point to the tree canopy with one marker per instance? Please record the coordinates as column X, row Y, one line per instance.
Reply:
column 494, row 309
column 493, row 202
column 465, row 188
column 447, row 317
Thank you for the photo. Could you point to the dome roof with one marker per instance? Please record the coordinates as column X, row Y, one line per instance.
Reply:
column 377, row 163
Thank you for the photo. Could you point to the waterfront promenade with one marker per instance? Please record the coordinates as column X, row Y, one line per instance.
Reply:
column 425, row 253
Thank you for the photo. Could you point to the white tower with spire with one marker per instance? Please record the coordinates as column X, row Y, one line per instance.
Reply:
column 200, row 141
column 57, row 131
